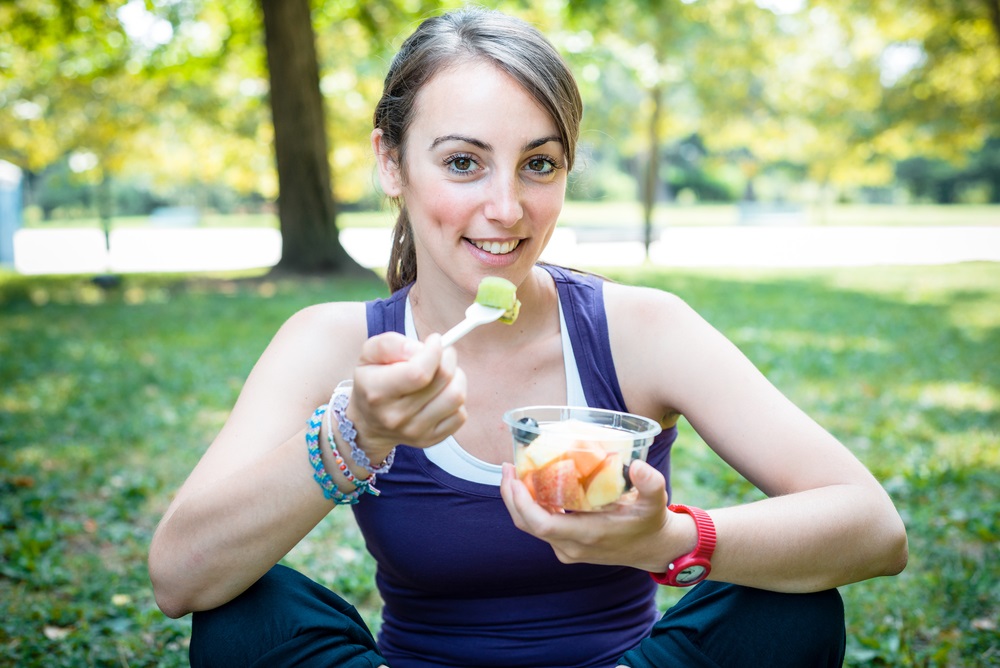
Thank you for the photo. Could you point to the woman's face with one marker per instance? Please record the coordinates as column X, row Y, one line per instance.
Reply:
column 485, row 176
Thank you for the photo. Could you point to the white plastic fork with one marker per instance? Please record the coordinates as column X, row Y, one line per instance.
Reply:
column 477, row 314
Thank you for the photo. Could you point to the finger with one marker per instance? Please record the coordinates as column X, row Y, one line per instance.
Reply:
column 524, row 510
column 442, row 416
column 423, row 369
column 648, row 482
column 448, row 426
column 409, row 379
column 449, row 360
column 445, row 395
column 388, row 348
column 508, row 479
column 645, row 505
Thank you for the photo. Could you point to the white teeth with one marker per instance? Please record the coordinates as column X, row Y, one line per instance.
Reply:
column 495, row 247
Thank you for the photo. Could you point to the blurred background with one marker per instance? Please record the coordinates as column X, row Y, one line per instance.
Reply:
column 819, row 178
column 159, row 113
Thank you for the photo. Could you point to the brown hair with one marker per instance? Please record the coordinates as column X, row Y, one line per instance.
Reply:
column 511, row 44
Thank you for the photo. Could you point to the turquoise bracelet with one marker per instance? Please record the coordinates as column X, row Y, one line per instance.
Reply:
column 330, row 490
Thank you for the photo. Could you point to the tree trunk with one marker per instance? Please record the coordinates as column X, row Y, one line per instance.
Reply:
column 105, row 206
column 993, row 7
column 306, row 210
column 652, row 168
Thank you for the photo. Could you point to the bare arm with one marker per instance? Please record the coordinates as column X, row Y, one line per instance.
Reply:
column 248, row 501
column 827, row 522
column 252, row 496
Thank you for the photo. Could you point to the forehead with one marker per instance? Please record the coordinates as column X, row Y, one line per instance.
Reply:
column 479, row 99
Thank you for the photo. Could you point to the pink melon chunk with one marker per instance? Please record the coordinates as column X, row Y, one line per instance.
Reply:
column 587, row 457
column 558, row 486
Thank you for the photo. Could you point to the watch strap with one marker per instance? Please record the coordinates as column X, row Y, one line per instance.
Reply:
column 706, row 530
column 704, row 546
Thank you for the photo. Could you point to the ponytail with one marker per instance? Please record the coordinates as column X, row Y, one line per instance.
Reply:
column 402, row 269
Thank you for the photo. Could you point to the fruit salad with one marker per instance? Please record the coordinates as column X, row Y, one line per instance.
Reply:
column 573, row 464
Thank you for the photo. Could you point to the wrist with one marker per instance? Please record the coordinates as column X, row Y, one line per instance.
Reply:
column 377, row 450
column 345, row 472
column 693, row 565
column 683, row 536
column 340, row 404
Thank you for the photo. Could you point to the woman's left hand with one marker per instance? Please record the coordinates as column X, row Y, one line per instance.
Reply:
column 632, row 532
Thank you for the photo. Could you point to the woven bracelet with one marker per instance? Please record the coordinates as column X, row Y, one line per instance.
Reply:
column 367, row 485
column 330, row 490
column 338, row 404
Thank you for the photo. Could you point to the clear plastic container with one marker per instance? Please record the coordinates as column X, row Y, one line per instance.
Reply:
column 576, row 458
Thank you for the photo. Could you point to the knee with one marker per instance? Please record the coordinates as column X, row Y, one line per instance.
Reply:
column 787, row 629
column 728, row 625
column 238, row 626
column 283, row 619
column 818, row 618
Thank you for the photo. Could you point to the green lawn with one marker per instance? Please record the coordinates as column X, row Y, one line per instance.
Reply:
column 107, row 399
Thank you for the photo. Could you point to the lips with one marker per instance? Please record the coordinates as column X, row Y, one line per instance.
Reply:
column 496, row 247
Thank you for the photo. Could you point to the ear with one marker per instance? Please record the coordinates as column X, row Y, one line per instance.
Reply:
column 389, row 175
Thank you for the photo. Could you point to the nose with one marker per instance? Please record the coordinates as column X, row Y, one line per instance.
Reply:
column 503, row 201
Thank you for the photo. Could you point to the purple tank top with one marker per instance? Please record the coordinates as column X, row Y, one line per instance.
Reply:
column 461, row 585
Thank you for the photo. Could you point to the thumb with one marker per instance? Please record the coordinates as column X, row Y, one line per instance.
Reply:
column 388, row 348
column 648, row 482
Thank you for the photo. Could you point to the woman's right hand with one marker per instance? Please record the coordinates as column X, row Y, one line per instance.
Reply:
column 637, row 531
column 406, row 391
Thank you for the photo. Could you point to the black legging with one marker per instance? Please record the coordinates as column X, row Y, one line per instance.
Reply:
column 286, row 619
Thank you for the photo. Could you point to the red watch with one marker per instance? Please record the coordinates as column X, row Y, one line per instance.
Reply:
column 694, row 566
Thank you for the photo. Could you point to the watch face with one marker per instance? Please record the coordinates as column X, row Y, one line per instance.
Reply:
column 691, row 574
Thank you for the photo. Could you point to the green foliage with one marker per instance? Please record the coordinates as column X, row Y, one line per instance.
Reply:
column 107, row 399
column 179, row 93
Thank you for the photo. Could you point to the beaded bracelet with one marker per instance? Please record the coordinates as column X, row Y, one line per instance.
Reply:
column 330, row 490
column 338, row 404
column 366, row 485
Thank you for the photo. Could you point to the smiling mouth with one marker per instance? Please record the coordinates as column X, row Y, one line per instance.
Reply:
column 497, row 247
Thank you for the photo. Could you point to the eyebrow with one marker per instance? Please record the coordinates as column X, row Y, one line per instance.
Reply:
column 478, row 143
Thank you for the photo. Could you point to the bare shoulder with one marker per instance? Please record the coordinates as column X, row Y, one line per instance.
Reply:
column 319, row 339
column 313, row 350
column 653, row 334
column 325, row 323
column 640, row 309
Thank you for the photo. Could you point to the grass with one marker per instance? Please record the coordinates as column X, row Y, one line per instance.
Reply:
column 108, row 398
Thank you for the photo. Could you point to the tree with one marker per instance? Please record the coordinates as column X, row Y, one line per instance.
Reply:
column 696, row 63
column 864, row 85
column 148, row 87
column 310, row 241
column 69, row 89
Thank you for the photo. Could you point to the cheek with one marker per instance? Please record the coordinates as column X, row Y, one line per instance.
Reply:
column 440, row 204
column 546, row 206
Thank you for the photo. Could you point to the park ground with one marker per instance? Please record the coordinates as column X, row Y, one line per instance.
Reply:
column 108, row 397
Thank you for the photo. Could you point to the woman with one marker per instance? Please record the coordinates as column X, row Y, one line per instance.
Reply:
column 474, row 137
